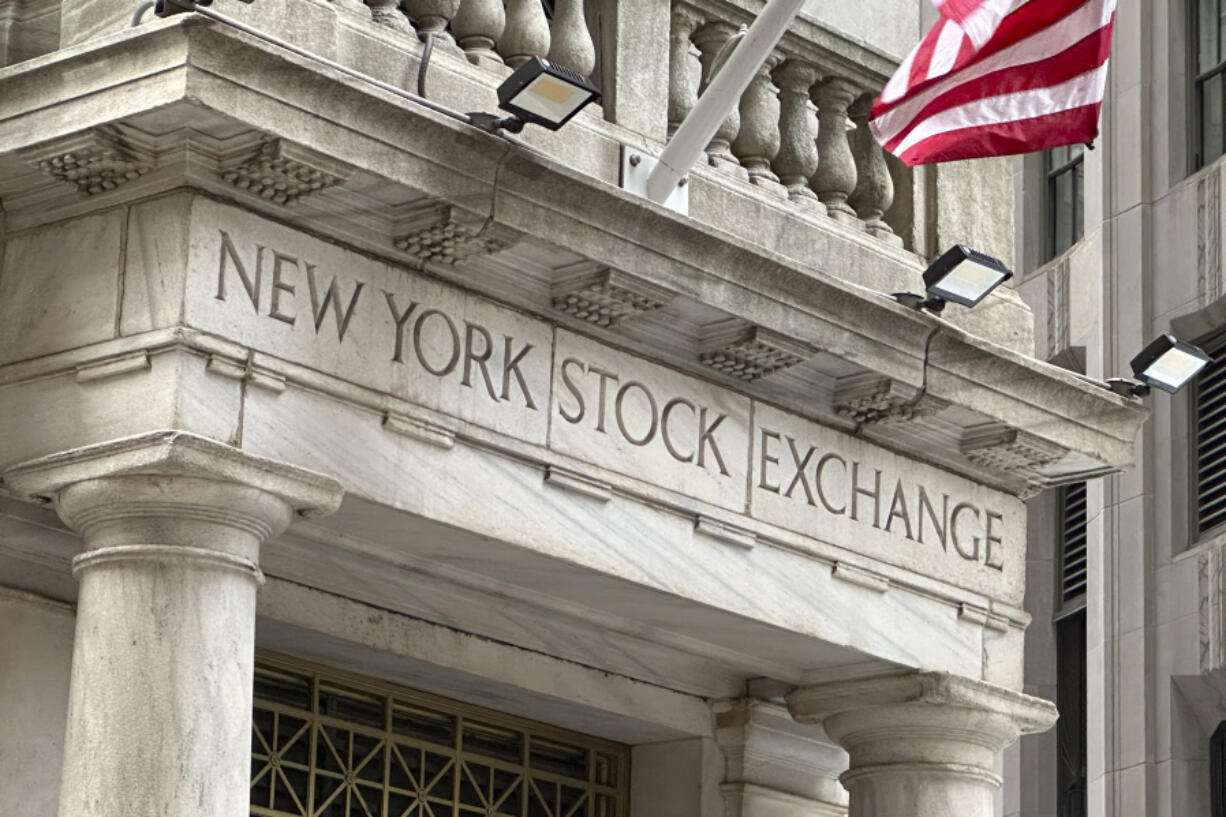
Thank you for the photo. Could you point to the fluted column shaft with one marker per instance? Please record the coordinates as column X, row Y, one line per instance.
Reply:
column 796, row 160
column 835, row 178
column 159, row 710
column 922, row 744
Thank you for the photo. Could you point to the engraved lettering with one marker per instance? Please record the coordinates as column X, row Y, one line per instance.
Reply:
column 454, row 356
column 570, row 384
column 605, row 377
column 857, row 492
column 973, row 556
column 939, row 524
column 511, row 365
column 898, row 508
column 471, row 332
column 664, row 427
column 821, row 490
column 274, row 309
column 765, row 458
column 401, row 319
column 621, row 422
column 801, row 476
column 330, row 297
column 706, row 437
column 252, row 287
column 989, row 539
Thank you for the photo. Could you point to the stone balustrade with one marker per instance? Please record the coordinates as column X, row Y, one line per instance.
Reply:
column 801, row 129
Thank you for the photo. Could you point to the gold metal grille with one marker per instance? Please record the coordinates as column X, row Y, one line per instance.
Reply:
column 331, row 744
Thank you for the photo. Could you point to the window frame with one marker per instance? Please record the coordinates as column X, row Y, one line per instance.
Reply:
column 1196, row 80
column 1051, row 176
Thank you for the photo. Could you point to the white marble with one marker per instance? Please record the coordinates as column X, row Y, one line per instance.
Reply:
column 648, row 422
column 852, row 492
column 311, row 302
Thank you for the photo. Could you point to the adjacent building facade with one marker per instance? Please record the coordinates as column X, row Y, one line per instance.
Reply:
column 1115, row 245
column 357, row 461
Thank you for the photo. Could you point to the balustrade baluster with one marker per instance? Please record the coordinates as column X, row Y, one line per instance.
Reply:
column 682, row 89
column 477, row 26
column 526, row 34
column 710, row 39
column 874, row 191
column 757, row 142
column 571, row 42
column 796, row 160
column 388, row 13
column 835, row 178
column 433, row 17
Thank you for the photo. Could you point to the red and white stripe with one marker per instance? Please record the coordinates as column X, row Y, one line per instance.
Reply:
column 997, row 77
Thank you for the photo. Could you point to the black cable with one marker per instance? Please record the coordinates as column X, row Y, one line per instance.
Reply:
column 140, row 11
column 428, row 38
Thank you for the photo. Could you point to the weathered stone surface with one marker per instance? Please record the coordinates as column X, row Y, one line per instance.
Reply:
column 70, row 301
column 648, row 422
column 839, row 488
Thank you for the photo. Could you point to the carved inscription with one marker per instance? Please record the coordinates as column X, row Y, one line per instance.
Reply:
column 648, row 421
column 807, row 477
column 603, row 411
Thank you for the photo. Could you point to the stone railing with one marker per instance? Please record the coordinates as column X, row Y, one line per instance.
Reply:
column 801, row 130
column 493, row 32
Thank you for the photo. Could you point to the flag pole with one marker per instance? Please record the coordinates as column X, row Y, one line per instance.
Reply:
column 721, row 96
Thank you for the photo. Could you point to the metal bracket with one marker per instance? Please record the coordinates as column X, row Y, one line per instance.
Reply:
column 637, row 166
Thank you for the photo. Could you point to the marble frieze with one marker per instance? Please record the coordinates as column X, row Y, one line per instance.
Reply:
column 607, row 417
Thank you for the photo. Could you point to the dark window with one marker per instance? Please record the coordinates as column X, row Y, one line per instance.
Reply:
column 1065, row 197
column 1209, row 428
column 1217, row 771
column 1071, row 701
column 1209, row 74
column 1071, row 654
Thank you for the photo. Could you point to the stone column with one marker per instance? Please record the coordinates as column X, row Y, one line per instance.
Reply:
column 757, row 142
column 159, row 708
column 874, row 191
column 711, row 40
column 796, row 160
column 921, row 744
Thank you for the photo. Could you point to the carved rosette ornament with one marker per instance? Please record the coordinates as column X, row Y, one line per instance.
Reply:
column 432, row 17
column 835, row 179
column 682, row 91
column 526, row 34
column 796, row 160
column 95, row 162
column 477, row 26
column 603, row 296
column 757, row 142
column 282, row 172
column 711, row 39
column 749, row 352
column 874, row 191
column 571, row 42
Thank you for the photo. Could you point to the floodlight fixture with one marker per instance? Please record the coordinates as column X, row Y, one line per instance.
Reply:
column 1167, row 364
column 538, row 92
column 961, row 275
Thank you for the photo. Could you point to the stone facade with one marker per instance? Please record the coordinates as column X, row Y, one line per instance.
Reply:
column 1148, row 262
column 293, row 364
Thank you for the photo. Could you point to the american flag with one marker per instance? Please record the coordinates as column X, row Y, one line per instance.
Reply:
column 997, row 77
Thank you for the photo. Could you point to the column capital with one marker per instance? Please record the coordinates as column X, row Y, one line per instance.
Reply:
column 921, row 743
column 170, row 454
